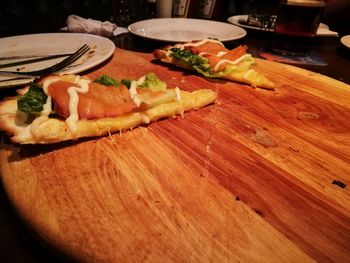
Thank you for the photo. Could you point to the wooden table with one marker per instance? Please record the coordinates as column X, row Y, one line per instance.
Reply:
column 259, row 176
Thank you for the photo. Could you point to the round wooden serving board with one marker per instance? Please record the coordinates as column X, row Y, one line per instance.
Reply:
column 259, row 176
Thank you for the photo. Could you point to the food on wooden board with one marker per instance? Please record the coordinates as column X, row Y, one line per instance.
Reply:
column 211, row 59
column 68, row 107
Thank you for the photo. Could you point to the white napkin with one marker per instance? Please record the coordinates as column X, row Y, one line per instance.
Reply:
column 323, row 30
column 79, row 24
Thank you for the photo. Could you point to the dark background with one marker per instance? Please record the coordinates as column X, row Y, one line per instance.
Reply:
column 40, row 16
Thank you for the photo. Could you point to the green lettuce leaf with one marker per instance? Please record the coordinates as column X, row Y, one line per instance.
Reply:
column 202, row 66
column 198, row 63
column 33, row 101
column 153, row 82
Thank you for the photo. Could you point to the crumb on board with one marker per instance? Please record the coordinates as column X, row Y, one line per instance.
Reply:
column 339, row 183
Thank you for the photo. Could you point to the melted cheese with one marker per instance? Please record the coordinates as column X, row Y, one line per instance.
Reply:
column 248, row 73
column 234, row 62
column 25, row 134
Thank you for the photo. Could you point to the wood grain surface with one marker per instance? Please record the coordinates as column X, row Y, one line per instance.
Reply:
column 260, row 176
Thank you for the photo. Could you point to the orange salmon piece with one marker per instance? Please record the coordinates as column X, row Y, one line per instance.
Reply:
column 99, row 102
column 230, row 55
column 235, row 53
column 209, row 47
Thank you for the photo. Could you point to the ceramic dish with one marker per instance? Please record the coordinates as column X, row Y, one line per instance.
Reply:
column 52, row 43
column 185, row 29
column 345, row 40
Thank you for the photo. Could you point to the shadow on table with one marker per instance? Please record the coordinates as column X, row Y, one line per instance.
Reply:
column 18, row 243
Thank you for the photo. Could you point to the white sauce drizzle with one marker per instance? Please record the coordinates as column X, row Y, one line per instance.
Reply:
column 168, row 53
column 74, row 100
column 145, row 118
column 48, row 104
column 48, row 82
column 178, row 94
column 47, row 107
column 141, row 80
column 73, row 105
column 234, row 62
column 179, row 99
column 219, row 54
column 133, row 91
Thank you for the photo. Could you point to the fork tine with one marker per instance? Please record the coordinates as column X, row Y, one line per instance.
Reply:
column 69, row 60
column 54, row 68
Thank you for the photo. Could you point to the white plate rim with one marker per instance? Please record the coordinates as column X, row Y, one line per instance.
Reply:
column 345, row 40
column 135, row 27
column 102, row 49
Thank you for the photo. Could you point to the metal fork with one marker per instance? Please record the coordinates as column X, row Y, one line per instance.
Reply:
column 49, row 70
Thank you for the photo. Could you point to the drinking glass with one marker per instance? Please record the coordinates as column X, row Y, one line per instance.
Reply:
column 126, row 12
column 297, row 23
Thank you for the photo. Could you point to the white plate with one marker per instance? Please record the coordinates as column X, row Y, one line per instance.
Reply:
column 53, row 43
column 323, row 29
column 185, row 29
column 345, row 40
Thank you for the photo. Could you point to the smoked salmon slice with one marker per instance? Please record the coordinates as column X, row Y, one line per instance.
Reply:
column 235, row 53
column 208, row 47
column 231, row 55
column 100, row 101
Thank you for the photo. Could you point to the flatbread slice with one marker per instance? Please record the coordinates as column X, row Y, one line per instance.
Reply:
column 131, row 107
column 211, row 59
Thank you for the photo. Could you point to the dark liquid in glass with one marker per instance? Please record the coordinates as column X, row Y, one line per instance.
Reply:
column 296, row 25
column 298, row 20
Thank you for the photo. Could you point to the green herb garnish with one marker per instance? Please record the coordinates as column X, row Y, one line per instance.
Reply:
column 33, row 101
column 107, row 81
column 198, row 63
column 126, row 82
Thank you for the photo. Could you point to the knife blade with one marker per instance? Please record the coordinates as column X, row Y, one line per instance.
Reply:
column 33, row 60
column 17, row 78
column 31, row 56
